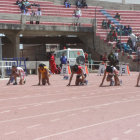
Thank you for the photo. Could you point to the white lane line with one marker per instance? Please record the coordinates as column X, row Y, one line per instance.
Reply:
column 37, row 105
column 85, row 110
column 88, row 126
column 32, row 126
column 84, row 95
column 115, row 138
column 128, row 131
column 10, row 133
column 138, row 125
column 55, row 120
column 22, row 108
column 65, row 111
column 5, row 111
column 70, row 115
column 53, row 101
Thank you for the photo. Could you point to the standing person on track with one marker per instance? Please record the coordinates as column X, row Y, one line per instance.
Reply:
column 17, row 72
column 43, row 73
column 52, row 63
column 81, row 76
column 138, row 79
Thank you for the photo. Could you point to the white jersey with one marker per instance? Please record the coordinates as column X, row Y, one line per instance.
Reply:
column 21, row 71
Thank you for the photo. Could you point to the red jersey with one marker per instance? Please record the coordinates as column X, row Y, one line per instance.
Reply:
column 79, row 70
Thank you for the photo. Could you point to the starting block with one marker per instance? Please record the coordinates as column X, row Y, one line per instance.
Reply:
column 101, row 70
column 124, row 70
column 65, row 71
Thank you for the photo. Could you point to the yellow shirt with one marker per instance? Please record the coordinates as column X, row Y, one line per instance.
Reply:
column 44, row 71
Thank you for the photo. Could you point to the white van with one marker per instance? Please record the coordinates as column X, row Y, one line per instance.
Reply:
column 71, row 55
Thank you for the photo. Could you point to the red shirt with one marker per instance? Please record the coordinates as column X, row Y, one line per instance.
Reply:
column 79, row 70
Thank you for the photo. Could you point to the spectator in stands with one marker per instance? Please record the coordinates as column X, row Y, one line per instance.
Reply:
column 38, row 15
column 104, row 24
column 117, row 16
column 116, row 55
column 109, row 36
column 77, row 14
column 109, row 24
column 115, row 36
column 104, row 57
column 119, row 45
column 134, row 39
column 129, row 30
column 84, row 4
column 78, row 4
column 27, row 13
column 27, row 4
column 22, row 7
column 33, row 14
column 18, row 2
column 129, row 42
column 113, row 27
column 67, row 3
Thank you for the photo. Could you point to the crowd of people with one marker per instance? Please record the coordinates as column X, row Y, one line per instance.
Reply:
column 111, row 74
column 30, row 9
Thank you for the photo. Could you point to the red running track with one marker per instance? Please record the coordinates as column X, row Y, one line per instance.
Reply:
column 57, row 112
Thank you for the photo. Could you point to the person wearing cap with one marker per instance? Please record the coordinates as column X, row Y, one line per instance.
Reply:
column 17, row 72
column 43, row 74
column 81, row 76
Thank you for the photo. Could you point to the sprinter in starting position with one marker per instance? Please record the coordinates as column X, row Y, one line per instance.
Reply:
column 17, row 72
column 81, row 76
column 43, row 73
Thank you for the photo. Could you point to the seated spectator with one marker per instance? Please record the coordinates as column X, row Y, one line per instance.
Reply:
column 27, row 12
column 113, row 27
column 77, row 14
column 78, row 4
column 110, row 37
column 18, row 2
column 27, row 4
column 104, row 57
column 117, row 16
column 119, row 45
column 22, row 7
column 115, row 36
column 84, row 4
column 129, row 42
column 104, row 24
column 67, row 3
column 109, row 24
column 129, row 29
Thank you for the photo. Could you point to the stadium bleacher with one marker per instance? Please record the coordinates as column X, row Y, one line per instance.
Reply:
column 48, row 8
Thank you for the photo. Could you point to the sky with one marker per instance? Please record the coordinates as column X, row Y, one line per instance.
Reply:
column 126, row 1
